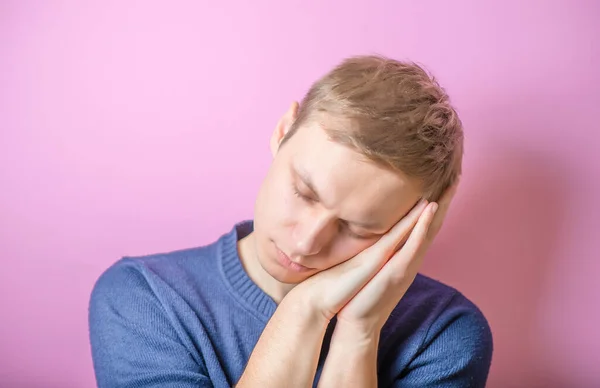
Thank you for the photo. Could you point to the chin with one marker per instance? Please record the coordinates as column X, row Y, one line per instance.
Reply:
column 268, row 261
column 279, row 273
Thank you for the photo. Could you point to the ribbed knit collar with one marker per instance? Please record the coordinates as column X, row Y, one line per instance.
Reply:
column 236, row 277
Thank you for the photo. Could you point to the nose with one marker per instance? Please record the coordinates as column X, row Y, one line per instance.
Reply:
column 312, row 234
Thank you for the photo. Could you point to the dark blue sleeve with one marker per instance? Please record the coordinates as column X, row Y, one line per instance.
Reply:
column 132, row 339
column 457, row 350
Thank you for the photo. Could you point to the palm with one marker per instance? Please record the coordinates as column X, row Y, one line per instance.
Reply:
column 374, row 303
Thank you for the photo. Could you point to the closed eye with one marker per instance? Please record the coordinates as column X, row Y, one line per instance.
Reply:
column 353, row 234
column 298, row 194
column 343, row 224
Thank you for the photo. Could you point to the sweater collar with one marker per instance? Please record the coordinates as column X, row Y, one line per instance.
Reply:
column 235, row 275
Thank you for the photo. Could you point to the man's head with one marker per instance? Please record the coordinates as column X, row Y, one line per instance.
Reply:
column 369, row 139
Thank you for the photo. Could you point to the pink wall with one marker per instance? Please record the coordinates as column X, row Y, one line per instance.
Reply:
column 132, row 127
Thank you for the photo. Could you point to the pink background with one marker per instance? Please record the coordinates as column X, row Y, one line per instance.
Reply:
column 136, row 127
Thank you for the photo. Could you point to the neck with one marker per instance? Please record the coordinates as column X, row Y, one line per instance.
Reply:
column 248, row 256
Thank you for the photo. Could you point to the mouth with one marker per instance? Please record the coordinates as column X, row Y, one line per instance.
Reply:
column 286, row 262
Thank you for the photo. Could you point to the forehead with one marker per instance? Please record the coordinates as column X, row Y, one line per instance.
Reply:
column 348, row 182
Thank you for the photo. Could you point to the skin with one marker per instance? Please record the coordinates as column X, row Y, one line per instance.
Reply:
column 310, row 227
column 360, row 280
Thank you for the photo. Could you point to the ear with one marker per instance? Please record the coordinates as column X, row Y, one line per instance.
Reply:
column 283, row 126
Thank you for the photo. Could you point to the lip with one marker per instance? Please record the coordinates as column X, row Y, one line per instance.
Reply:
column 285, row 261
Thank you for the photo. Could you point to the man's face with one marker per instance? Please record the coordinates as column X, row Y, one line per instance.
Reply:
column 322, row 203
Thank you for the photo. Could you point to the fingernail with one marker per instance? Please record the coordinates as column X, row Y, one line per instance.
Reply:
column 434, row 208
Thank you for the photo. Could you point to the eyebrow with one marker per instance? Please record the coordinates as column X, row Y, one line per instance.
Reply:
column 305, row 178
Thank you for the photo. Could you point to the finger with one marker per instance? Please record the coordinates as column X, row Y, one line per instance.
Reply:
column 444, row 206
column 399, row 232
column 447, row 197
column 410, row 254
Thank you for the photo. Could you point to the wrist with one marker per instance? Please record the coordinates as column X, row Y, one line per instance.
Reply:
column 358, row 333
column 352, row 357
column 304, row 309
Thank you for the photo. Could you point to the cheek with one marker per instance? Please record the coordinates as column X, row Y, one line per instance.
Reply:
column 277, row 202
column 283, row 204
column 344, row 248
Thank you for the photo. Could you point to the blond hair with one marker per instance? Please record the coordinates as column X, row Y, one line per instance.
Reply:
column 394, row 113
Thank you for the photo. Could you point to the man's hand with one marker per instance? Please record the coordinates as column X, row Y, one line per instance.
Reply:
column 365, row 289
column 352, row 357
column 371, row 307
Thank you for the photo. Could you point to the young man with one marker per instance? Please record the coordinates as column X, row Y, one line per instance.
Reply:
column 321, row 287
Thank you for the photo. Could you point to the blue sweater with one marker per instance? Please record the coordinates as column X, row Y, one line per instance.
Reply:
column 191, row 318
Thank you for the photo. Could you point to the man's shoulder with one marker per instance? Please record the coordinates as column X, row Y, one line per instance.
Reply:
column 435, row 330
column 151, row 272
column 428, row 300
column 195, row 259
column 427, row 307
column 449, row 307
column 429, row 285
